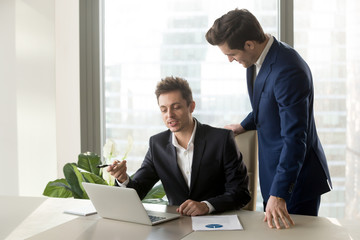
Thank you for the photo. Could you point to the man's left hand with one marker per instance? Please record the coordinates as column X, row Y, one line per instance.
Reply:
column 192, row 208
column 276, row 210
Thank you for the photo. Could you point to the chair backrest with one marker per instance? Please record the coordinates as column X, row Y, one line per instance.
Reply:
column 248, row 146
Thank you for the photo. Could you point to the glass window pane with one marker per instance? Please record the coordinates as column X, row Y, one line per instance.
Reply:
column 145, row 41
column 319, row 37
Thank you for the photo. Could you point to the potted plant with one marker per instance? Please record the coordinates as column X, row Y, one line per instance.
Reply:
column 86, row 170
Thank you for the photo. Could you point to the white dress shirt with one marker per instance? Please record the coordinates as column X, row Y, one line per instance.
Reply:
column 261, row 59
column 185, row 156
column 185, row 160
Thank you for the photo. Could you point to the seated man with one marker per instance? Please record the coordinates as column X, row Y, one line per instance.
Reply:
column 199, row 165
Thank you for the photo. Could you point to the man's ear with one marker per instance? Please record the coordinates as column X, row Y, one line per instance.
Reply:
column 192, row 106
column 249, row 45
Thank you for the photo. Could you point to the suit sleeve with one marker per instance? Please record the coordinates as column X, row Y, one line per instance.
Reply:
column 292, row 89
column 145, row 177
column 248, row 123
column 236, row 193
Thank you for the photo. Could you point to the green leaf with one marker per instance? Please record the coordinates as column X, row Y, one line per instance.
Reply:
column 86, row 171
column 156, row 192
column 58, row 188
column 88, row 161
column 74, row 179
column 155, row 201
column 92, row 178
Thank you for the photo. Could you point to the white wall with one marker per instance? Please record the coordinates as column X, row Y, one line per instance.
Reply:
column 67, row 82
column 39, row 93
column 8, row 119
column 35, row 94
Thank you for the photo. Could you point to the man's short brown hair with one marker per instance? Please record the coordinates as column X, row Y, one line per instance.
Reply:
column 235, row 28
column 170, row 84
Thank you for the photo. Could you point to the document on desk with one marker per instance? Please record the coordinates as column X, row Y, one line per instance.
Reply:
column 85, row 209
column 216, row 223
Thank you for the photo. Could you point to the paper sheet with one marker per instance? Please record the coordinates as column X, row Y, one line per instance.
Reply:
column 216, row 223
column 84, row 210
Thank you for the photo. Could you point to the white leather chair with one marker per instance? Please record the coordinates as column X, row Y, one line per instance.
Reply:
column 248, row 145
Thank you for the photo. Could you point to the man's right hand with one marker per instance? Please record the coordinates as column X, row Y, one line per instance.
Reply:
column 276, row 211
column 193, row 208
column 236, row 128
column 118, row 170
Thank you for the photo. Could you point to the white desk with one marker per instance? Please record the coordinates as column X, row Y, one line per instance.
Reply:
column 306, row 228
column 43, row 218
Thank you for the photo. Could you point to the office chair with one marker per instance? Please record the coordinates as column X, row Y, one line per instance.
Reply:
column 248, row 145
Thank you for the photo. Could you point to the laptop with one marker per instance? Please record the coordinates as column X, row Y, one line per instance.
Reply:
column 123, row 204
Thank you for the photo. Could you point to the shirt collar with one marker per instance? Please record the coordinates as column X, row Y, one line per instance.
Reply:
column 261, row 59
column 191, row 141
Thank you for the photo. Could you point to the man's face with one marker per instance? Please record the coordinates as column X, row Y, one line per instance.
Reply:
column 245, row 57
column 176, row 114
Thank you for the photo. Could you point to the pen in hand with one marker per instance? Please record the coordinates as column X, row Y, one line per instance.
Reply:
column 103, row 165
column 107, row 165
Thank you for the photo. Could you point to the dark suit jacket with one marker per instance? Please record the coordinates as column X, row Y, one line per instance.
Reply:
column 218, row 174
column 292, row 163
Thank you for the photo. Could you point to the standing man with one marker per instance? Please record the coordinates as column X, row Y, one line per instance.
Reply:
column 199, row 166
column 292, row 165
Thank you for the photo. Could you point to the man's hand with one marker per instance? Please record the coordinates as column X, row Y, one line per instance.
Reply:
column 193, row 208
column 118, row 170
column 236, row 128
column 276, row 210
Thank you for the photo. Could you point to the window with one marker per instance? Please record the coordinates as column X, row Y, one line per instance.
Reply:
column 146, row 41
column 320, row 37
column 164, row 38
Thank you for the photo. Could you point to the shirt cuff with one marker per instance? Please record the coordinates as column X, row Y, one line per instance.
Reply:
column 124, row 184
column 211, row 208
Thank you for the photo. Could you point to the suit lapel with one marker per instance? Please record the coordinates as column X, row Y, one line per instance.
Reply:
column 249, row 79
column 262, row 77
column 199, row 146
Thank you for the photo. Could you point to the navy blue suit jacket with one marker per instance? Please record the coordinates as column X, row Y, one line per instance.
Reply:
column 292, row 163
column 218, row 174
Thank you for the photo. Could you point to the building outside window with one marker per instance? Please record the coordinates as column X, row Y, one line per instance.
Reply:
column 167, row 38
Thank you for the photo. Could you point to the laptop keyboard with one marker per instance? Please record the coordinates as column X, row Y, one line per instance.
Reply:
column 155, row 218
